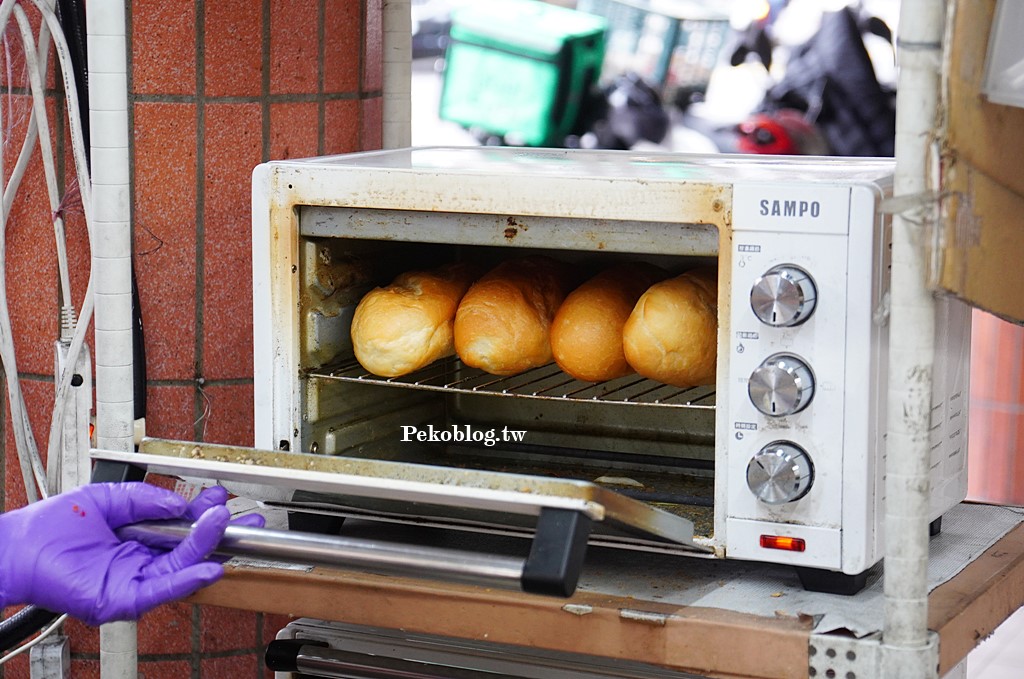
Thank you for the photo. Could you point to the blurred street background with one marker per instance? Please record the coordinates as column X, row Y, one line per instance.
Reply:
column 677, row 75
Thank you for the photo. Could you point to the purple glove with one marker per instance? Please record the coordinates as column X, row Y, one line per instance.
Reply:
column 61, row 553
column 217, row 495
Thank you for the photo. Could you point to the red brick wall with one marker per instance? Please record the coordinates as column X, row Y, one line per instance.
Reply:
column 216, row 86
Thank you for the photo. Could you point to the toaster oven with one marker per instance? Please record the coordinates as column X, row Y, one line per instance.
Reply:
column 780, row 460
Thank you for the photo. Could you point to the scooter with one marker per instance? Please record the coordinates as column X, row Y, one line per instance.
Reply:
column 830, row 82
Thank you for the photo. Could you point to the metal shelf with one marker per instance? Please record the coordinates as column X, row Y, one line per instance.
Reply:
column 547, row 383
column 632, row 608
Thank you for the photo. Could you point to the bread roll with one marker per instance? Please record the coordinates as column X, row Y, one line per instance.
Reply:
column 672, row 334
column 503, row 323
column 407, row 325
column 586, row 336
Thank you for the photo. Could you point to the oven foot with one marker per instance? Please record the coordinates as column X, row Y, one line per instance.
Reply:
column 308, row 522
column 935, row 527
column 831, row 582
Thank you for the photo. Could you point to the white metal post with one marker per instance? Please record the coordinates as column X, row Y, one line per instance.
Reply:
column 908, row 650
column 111, row 251
column 397, row 48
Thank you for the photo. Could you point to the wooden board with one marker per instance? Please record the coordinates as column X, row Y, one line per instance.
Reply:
column 700, row 640
column 712, row 642
column 968, row 608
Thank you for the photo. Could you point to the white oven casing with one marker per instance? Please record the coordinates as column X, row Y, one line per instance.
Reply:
column 752, row 213
column 846, row 250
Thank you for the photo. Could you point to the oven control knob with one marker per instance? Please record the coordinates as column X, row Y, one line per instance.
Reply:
column 782, row 385
column 780, row 472
column 783, row 296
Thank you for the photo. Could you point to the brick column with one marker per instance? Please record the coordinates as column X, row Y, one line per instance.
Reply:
column 216, row 86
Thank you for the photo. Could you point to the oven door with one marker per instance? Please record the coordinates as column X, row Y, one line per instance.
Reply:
column 560, row 515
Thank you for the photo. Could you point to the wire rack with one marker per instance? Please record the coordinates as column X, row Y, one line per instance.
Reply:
column 547, row 383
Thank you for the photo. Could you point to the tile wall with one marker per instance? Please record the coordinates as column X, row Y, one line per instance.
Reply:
column 216, row 86
column 996, row 428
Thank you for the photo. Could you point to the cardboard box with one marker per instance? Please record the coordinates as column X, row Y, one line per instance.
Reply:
column 983, row 218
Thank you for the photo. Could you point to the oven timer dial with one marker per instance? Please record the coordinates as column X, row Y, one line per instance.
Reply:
column 780, row 472
column 782, row 385
column 783, row 296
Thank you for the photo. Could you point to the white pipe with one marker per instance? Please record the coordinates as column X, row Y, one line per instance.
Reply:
column 911, row 344
column 397, row 59
column 111, row 251
column 112, row 248
column 119, row 650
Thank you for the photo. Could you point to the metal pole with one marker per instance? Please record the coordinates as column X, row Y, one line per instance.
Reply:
column 397, row 48
column 112, row 249
column 906, row 644
column 490, row 570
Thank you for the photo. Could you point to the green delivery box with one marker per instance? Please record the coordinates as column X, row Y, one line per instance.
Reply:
column 520, row 69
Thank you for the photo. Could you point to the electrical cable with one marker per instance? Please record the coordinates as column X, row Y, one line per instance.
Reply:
column 50, row 173
column 138, row 351
column 24, row 440
column 84, row 183
column 54, row 626
column 45, row 149
column 28, row 144
column 71, row 14
column 77, row 142
column 23, row 624
column 30, row 619
column 28, row 453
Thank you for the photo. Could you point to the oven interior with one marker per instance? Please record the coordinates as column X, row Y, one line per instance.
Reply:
column 638, row 437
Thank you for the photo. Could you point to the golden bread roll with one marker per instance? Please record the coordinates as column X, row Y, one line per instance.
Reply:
column 503, row 323
column 672, row 334
column 586, row 335
column 407, row 325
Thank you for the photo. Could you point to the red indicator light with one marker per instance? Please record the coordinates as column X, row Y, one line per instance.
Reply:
column 782, row 542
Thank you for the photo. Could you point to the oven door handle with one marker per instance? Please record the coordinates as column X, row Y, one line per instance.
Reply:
column 553, row 566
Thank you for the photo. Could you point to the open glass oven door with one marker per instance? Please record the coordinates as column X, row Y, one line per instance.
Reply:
column 560, row 514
